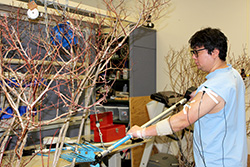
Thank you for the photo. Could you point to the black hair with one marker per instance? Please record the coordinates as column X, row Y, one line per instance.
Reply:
column 210, row 38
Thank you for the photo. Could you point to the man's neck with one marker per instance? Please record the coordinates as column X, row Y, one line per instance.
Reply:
column 219, row 65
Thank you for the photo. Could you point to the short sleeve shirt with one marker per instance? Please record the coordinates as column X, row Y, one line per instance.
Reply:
column 220, row 138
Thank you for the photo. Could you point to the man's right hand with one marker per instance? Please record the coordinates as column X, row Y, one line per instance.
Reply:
column 134, row 131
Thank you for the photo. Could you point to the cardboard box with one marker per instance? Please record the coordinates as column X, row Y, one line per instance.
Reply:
column 110, row 131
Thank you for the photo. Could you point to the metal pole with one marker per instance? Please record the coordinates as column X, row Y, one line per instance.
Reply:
column 102, row 154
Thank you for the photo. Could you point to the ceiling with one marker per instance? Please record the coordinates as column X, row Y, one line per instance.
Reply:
column 93, row 3
column 100, row 3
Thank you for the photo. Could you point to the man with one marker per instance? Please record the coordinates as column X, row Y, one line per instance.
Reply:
column 217, row 109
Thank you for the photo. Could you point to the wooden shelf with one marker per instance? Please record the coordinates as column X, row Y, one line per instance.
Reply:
column 40, row 62
column 47, row 76
column 118, row 101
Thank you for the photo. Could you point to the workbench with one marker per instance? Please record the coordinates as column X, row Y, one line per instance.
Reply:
column 113, row 161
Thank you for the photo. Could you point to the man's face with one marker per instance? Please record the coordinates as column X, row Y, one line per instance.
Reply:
column 201, row 58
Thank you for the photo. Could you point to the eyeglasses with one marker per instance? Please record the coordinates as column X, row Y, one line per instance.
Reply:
column 195, row 52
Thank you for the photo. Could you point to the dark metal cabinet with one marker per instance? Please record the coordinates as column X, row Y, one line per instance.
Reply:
column 142, row 80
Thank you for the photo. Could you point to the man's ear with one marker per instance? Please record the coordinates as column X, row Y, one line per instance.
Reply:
column 215, row 53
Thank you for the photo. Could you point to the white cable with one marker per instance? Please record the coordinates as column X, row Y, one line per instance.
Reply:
column 66, row 6
column 46, row 19
column 99, row 129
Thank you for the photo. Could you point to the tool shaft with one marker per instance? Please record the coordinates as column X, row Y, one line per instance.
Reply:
column 152, row 121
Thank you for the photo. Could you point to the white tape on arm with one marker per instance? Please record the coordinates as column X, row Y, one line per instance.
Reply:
column 163, row 128
column 210, row 93
column 184, row 108
column 142, row 133
column 139, row 134
column 188, row 106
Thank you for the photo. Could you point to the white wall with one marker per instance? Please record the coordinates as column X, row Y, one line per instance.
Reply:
column 188, row 16
column 185, row 17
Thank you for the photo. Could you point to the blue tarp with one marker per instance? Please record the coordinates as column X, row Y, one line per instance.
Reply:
column 9, row 110
column 62, row 34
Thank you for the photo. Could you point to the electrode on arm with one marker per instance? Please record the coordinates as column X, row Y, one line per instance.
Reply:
column 210, row 93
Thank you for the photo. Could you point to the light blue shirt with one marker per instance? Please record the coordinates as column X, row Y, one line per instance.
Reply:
column 220, row 138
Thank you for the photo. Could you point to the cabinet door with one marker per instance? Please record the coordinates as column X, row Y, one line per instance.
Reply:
column 142, row 62
column 142, row 80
